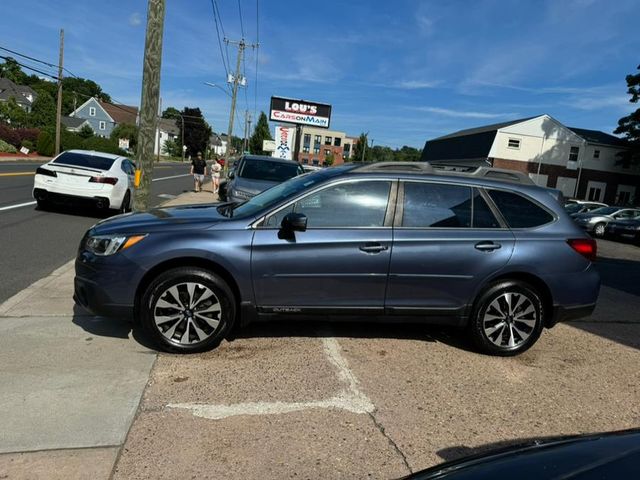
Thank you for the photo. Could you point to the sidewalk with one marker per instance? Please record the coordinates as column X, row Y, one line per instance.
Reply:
column 70, row 383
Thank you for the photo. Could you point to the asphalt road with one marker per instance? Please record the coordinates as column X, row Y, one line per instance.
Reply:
column 34, row 243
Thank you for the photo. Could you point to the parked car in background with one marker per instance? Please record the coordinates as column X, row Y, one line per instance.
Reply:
column 83, row 177
column 253, row 174
column 581, row 206
column 624, row 229
column 596, row 221
column 501, row 259
column 310, row 168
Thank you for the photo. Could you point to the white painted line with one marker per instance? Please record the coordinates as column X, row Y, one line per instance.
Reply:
column 350, row 399
column 17, row 206
column 173, row 176
column 167, row 195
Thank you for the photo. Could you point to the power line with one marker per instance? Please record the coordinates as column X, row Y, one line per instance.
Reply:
column 215, row 17
column 241, row 22
column 33, row 59
column 217, row 10
column 54, row 77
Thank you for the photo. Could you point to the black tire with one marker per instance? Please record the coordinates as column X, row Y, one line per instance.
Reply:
column 157, row 291
column 531, row 324
column 599, row 230
column 126, row 203
column 43, row 205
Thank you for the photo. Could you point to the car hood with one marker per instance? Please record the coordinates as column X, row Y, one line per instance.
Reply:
column 253, row 186
column 158, row 219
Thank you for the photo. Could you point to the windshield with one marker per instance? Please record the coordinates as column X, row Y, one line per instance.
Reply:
column 280, row 192
column 572, row 207
column 604, row 210
column 85, row 160
column 256, row 169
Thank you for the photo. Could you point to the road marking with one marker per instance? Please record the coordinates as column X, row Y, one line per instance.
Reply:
column 173, row 176
column 167, row 195
column 17, row 206
column 16, row 174
column 350, row 398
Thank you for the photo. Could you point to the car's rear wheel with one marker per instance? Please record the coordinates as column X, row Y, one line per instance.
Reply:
column 126, row 203
column 43, row 205
column 187, row 310
column 599, row 229
column 507, row 319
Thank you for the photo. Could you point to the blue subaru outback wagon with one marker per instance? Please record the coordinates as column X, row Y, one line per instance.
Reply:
column 397, row 241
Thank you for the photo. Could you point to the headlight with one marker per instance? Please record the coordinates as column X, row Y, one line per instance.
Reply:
column 105, row 245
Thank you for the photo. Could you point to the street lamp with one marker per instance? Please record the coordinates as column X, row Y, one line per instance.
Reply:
column 218, row 87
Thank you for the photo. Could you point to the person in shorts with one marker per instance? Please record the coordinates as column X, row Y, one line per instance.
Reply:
column 215, row 176
column 198, row 170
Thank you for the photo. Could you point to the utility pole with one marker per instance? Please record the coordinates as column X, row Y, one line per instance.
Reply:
column 247, row 131
column 158, row 129
column 150, row 100
column 248, row 134
column 182, row 142
column 236, row 80
column 364, row 147
column 59, row 105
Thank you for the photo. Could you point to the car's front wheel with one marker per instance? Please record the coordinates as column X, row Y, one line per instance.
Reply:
column 599, row 229
column 507, row 319
column 187, row 310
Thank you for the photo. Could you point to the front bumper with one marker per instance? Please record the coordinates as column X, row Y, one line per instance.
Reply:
column 106, row 286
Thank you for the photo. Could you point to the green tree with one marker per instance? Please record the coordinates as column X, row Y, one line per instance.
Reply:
column 172, row 148
column 45, row 144
column 76, row 91
column 329, row 159
column 407, row 154
column 86, row 132
column 629, row 126
column 171, row 112
column 362, row 143
column 260, row 134
column 196, row 131
column 128, row 131
column 11, row 70
column 12, row 113
column 43, row 110
column 380, row 153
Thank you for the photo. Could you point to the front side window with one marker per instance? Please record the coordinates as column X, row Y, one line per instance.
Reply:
column 518, row 211
column 573, row 154
column 357, row 204
column 433, row 205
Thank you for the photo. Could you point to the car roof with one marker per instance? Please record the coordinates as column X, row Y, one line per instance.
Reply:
column 270, row 159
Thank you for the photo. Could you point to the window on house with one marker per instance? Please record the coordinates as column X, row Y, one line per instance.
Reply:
column 573, row 154
column 327, row 151
column 596, row 154
column 92, row 111
column 305, row 149
column 514, row 143
column 337, row 142
column 315, row 162
column 103, row 125
column 328, row 140
column 307, row 140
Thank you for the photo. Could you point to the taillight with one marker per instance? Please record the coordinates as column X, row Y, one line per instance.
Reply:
column 587, row 247
column 44, row 171
column 109, row 180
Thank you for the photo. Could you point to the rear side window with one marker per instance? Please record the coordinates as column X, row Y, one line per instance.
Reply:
column 518, row 211
column 483, row 217
column 84, row 160
column 436, row 205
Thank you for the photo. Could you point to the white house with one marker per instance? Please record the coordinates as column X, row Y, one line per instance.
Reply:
column 581, row 163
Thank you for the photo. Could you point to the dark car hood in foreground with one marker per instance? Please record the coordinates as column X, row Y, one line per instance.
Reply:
column 184, row 216
column 603, row 456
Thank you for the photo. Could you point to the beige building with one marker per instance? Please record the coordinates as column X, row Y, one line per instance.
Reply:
column 316, row 144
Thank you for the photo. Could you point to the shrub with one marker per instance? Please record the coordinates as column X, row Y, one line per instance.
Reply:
column 70, row 141
column 101, row 144
column 27, row 144
column 7, row 147
column 46, row 143
column 9, row 135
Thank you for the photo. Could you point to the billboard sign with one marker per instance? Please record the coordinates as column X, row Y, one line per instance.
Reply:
column 284, row 142
column 300, row 112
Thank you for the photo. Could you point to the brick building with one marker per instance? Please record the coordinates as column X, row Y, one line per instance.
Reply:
column 316, row 144
column 584, row 164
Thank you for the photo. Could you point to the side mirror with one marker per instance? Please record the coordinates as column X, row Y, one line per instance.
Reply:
column 294, row 222
column 232, row 175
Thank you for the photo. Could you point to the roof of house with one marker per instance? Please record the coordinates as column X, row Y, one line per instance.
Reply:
column 486, row 128
column 121, row 113
column 168, row 125
column 72, row 122
column 596, row 136
column 9, row 89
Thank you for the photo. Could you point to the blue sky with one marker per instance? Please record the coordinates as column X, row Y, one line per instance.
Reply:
column 405, row 71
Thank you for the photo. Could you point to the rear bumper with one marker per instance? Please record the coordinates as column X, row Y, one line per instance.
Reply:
column 567, row 313
column 68, row 199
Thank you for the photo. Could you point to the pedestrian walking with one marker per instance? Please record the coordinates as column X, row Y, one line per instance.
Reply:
column 215, row 176
column 198, row 170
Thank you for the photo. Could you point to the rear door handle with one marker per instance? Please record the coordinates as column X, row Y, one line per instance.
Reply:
column 487, row 246
column 373, row 248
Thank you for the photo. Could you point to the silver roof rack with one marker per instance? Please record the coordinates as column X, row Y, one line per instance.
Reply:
column 491, row 173
column 404, row 167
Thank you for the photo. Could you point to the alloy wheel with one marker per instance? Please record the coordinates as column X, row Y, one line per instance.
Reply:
column 509, row 320
column 187, row 313
column 599, row 230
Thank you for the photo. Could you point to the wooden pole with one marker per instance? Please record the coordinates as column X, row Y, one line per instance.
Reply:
column 59, row 105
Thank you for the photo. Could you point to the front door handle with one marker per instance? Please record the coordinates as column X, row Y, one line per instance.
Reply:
column 373, row 248
column 487, row 246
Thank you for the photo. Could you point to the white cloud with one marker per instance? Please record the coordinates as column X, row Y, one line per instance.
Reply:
column 416, row 84
column 135, row 19
column 463, row 113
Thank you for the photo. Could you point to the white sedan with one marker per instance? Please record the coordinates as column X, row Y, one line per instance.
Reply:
column 99, row 179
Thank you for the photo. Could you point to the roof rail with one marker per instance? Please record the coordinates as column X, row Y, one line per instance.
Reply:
column 491, row 173
column 405, row 167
